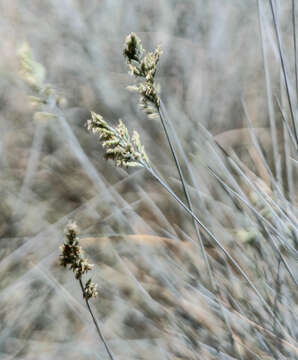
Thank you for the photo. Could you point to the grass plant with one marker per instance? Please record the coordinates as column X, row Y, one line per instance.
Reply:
column 224, row 287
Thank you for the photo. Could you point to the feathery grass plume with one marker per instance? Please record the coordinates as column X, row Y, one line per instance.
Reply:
column 143, row 67
column 125, row 150
column 45, row 97
column 72, row 255
column 30, row 70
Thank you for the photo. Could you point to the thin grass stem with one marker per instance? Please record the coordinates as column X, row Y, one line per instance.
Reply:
column 97, row 325
column 188, row 199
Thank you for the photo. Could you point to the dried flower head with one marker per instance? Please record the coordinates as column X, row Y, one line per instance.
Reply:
column 72, row 254
column 124, row 149
column 143, row 67
column 45, row 100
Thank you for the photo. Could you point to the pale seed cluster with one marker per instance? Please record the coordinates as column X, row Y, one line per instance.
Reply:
column 119, row 146
column 143, row 67
column 45, row 98
column 30, row 70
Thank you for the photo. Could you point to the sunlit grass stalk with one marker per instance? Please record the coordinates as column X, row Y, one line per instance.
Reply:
column 146, row 67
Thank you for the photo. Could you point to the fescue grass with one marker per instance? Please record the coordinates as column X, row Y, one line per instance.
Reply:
column 195, row 254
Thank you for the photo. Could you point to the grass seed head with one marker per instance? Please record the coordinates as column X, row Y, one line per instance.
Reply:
column 125, row 150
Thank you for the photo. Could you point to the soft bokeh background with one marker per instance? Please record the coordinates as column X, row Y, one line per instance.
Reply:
column 52, row 171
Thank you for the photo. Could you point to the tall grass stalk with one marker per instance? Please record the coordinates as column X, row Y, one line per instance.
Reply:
column 134, row 54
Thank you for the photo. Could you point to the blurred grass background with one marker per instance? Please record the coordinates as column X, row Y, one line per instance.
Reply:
column 53, row 172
